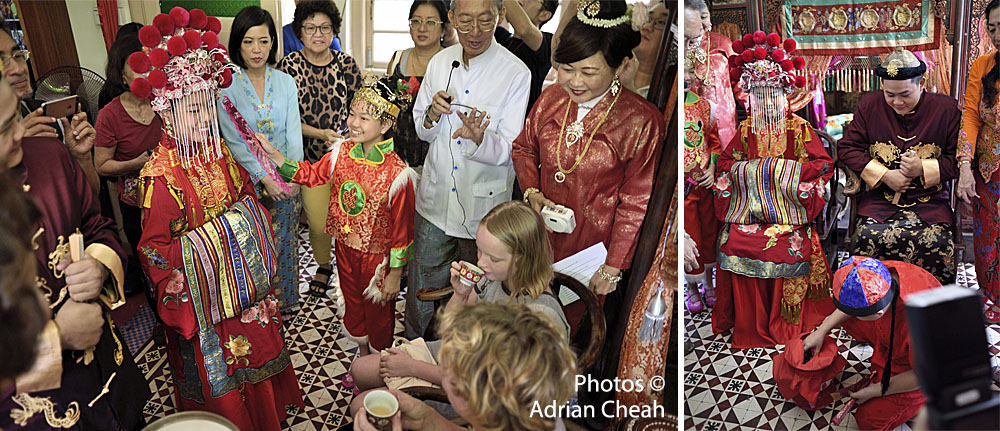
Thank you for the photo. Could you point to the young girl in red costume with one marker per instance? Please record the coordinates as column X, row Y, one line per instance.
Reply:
column 371, row 212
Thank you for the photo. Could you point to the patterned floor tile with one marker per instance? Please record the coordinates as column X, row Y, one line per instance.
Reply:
column 732, row 389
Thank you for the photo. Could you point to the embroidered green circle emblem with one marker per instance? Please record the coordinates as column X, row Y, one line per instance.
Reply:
column 352, row 198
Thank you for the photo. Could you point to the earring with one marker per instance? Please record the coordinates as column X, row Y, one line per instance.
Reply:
column 616, row 86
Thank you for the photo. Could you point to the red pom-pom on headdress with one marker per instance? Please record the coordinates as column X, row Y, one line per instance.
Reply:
column 778, row 55
column 732, row 61
column 760, row 53
column 176, row 45
column 799, row 63
column 738, row 46
column 149, row 36
column 787, row 65
column 140, row 88
column 164, row 24
column 158, row 57
column 198, row 19
column 734, row 74
column 193, row 39
column 180, row 16
column 800, row 81
column 747, row 56
column 157, row 78
column 747, row 41
column 138, row 62
column 226, row 78
column 759, row 37
column 773, row 39
column 213, row 25
column 210, row 39
column 789, row 45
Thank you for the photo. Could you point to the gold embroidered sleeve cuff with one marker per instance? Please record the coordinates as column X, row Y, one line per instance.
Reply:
column 873, row 172
column 113, row 294
column 932, row 172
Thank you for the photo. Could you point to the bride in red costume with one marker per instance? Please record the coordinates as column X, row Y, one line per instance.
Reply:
column 206, row 242
column 772, row 280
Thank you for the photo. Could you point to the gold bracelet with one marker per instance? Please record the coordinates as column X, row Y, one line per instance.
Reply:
column 613, row 279
column 528, row 192
column 964, row 162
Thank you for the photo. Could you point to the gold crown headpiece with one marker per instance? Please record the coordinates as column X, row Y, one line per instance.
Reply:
column 386, row 97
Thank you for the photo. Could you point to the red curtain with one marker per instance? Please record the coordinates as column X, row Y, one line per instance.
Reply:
column 108, row 11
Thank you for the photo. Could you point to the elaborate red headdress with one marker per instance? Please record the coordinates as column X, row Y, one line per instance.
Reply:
column 763, row 67
column 763, row 60
column 182, row 58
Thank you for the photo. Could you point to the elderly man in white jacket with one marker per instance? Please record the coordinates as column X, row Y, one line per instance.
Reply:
column 470, row 108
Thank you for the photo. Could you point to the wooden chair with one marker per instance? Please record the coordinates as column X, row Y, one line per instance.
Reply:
column 826, row 223
column 853, row 189
column 590, row 333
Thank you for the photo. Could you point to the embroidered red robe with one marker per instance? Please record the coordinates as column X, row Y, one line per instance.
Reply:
column 239, row 367
column 767, row 193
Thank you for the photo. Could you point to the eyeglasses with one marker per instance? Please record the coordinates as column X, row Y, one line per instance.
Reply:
column 323, row 29
column 466, row 25
column 417, row 23
column 658, row 24
column 21, row 56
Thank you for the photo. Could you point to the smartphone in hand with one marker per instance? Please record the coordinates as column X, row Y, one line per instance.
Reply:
column 61, row 108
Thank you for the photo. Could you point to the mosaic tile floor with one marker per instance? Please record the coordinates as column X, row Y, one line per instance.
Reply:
column 732, row 389
column 319, row 352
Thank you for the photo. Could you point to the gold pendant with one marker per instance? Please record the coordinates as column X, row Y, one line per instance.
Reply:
column 560, row 177
column 573, row 133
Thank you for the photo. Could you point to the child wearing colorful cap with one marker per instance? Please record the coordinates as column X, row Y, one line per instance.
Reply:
column 864, row 291
column 371, row 212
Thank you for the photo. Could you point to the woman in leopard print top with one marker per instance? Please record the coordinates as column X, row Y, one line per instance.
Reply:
column 327, row 81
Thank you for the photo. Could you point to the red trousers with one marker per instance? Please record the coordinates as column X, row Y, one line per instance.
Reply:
column 362, row 317
column 890, row 411
column 700, row 223
column 752, row 308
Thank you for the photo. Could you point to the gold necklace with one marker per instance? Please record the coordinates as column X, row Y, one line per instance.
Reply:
column 417, row 65
column 561, row 175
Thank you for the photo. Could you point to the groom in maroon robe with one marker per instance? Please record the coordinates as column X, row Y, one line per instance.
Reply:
column 85, row 377
column 902, row 143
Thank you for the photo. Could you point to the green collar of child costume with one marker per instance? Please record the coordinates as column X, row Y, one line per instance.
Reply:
column 376, row 156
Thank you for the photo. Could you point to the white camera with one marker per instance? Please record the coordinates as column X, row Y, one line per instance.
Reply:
column 559, row 218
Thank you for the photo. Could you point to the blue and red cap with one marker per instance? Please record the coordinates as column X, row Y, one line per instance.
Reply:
column 862, row 286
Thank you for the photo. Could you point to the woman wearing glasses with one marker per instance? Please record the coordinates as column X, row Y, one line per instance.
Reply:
column 428, row 19
column 327, row 81
column 649, row 47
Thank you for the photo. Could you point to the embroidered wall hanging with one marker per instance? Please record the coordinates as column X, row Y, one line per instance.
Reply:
column 859, row 27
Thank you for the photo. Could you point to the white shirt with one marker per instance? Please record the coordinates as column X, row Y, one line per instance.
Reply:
column 462, row 181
